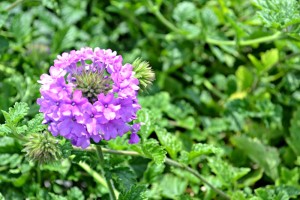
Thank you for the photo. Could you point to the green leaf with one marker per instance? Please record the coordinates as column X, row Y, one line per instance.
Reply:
column 271, row 194
column 279, row 13
column 4, row 130
column 294, row 140
column 64, row 39
column 169, row 141
column 267, row 157
column 124, row 178
column 15, row 114
column 153, row 150
column 153, row 172
column 1, row 196
column 203, row 149
column 75, row 194
column 35, row 125
column 148, row 119
column 244, row 78
column 172, row 186
column 225, row 172
column 57, row 197
column 269, row 59
column 3, row 43
column 135, row 192
column 184, row 11
column 8, row 145
column 21, row 27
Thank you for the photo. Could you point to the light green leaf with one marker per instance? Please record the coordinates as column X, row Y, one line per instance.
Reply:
column 135, row 192
column 203, row 149
column 15, row 114
column 294, row 140
column 244, row 78
column 35, row 125
column 169, row 141
column 75, row 194
column 153, row 150
column 225, row 172
column 184, row 11
column 267, row 157
column 172, row 186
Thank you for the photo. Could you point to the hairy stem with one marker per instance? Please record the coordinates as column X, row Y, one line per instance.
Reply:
column 108, row 180
column 174, row 164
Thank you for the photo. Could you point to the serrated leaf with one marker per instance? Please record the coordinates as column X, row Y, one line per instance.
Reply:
column 184, row 11
column 267, row 157
column 135, row 192
column 15, row 114
column 169, row 141
column 153, row 150
column 124, row 178
column 203, row 149
column 225, row 172
column 4, row 130
column 75, row 194
column 35, row 125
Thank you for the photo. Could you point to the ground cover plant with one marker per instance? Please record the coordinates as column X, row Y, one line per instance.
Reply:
column 221, row 120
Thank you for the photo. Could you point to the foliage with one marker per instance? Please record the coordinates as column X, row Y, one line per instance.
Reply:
column 225, row 102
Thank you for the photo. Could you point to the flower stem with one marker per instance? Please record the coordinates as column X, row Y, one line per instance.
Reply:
column 155, row 10
column 174, row 164
column 14, row 4
column 108, row 180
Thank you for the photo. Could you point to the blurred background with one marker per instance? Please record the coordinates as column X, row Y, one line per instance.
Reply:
column 227, row 74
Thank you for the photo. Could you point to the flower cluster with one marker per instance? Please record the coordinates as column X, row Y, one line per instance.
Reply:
column 90, row 94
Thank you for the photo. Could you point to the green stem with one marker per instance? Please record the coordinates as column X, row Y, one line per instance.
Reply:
column 174, row 164
column 97, row 177
column 14, row 4
column 155, row 10
column 269, row 38
column 108, row 180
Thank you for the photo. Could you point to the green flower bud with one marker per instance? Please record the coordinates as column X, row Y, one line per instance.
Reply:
column 143, row 73
column 42, row 148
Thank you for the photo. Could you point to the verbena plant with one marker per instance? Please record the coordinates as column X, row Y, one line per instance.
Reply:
column 221, row 120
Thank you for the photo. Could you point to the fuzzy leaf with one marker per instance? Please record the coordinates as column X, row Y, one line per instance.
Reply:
column 169, row 141
column 135, row 192
column 267, row 157
column 35, row 125
column 15, row 114
column 75, row 194
column 153, row 150
column 124, row 178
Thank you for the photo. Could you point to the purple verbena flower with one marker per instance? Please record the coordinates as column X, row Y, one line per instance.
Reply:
column 90, row 94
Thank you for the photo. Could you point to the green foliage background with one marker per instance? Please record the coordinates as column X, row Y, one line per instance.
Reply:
column 225, row 101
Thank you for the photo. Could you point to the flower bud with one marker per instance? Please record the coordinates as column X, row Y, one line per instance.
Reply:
column 42, row 148
column 143, row 73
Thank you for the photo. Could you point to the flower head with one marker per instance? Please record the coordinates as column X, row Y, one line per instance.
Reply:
column 90, row 94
